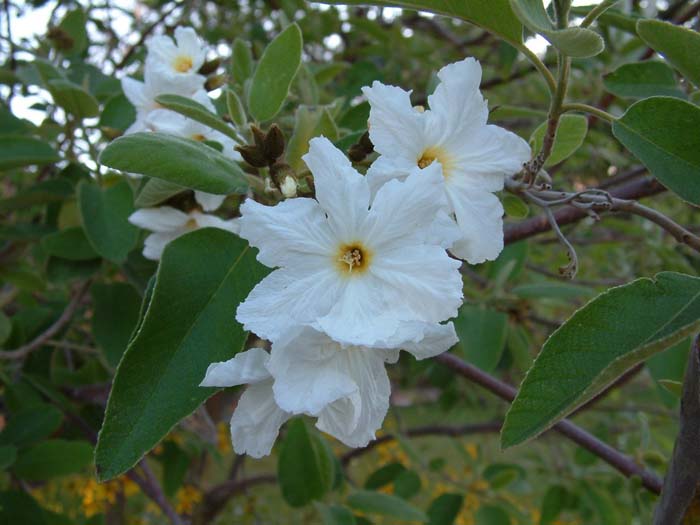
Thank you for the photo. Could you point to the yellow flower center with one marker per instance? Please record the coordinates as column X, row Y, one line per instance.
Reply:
column 183, row 64
column 199, row 137
column 353, row 258
column 191, row 224
column 432, row 154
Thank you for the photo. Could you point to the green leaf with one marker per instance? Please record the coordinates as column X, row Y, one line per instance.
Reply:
column 384, row 475
column 658, row 131
column 8, row 455
column 552, row 290
column 5, row 328
column 177, row 160
column 43, row 192
column 642, row 80
column 514, row 206
column 74, row 26
column 444, row 509
column 74, row 99
column 241, row 61
column 235, row 108
column 492, row 515
column 274, row 74
column 407, row 484
column 618, row 329
column 302, row 456
column 482, row 335
column 17, row 151
column 679, row 45
column 196, row 111
column 105, row 217
column 494, row 15
column 571, row 133
column 116, row 312
column 30, row 425
column 71, row 244
column 553, row 504
column 117, row 114
column 53, row 458
column 385, row 505
column 155, row 191
column 202, row 278
column 668, row 369
column 19, row 507
column 576, row 42
column 335, row 514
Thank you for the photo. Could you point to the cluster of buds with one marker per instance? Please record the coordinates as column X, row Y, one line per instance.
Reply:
column 266, row 152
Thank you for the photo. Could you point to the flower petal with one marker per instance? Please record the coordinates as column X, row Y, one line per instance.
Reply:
column 309, row 372
column 340, row 190
column 286, row 298
column 246, row 367
column 480, row 219
column 134, row 90
column 294, row 232
column 354, row 420
column 209, row 201
column 155, row 243
column 395, row 128
column 437, row 338
column 162, row 219
column 256, row 421
column 419, row 282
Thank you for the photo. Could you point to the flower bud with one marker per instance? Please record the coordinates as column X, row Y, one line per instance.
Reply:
column 215, row 82
column 274, row 143
column 252, row 155
column 289, row 187
column 209, row 67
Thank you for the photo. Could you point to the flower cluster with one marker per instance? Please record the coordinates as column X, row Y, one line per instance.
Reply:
column 172, row 67
column 363, row 270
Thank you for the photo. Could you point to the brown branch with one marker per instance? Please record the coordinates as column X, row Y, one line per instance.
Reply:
column 624, row 464
column 635, row 189
column 51, row 331
column 150, row 486
column 216, row 498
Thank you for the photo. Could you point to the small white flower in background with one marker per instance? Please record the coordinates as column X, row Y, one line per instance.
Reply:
column 142, row 96
column 475, row 157
column 168, row 223
column 177, row 62
column 346, row 388
column 358, row 267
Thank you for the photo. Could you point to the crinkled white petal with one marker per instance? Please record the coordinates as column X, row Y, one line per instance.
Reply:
column 387, row 168
column 162, row 219
column 457, row 107
column 295, row 232
column 420, row 282
column 209, row 201
column 308, row 371
column 437, row 338
column 404, row 212
column 256, row 421
column 287, row 298
column 395, row 128
column 355, row 419
column 204, row 220
column 340, row 190
column 480, row 219
column 246, row 367
column 134, row 91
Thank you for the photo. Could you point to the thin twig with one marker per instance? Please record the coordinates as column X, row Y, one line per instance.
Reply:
column 624, row 464
column 149, row 484
column 51, row 331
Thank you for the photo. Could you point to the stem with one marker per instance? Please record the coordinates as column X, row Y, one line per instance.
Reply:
column 594, row 13
column 539, row 65
column 585, row 108
column 150, row 486
column 624, row 464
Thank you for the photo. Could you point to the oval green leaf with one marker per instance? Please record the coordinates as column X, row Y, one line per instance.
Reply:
column 202, row 278
column 17, row 151
column 274, row 74
column 385, row 505
column 662, row 133
column 642, row 80
column 303, row 456
column 612, row 333
column 71, row 244
column 482, row 335
column 196, row 111
column 105, row 216
column 53, row 458
column 177, row 160
column 677, row 44
column 116, row 312
column 570, row 135
column 74, row 99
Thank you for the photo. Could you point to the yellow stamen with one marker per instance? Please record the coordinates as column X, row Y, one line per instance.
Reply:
column 432, row 154
column 183, row 64
column 353, row 259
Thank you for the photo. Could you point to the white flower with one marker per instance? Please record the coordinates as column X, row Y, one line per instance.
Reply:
column 475, row 157
column 177, row 62
column 358, row 271
column 142, row 96
column 257, row 419
column 346, row 387
column 168, row 223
